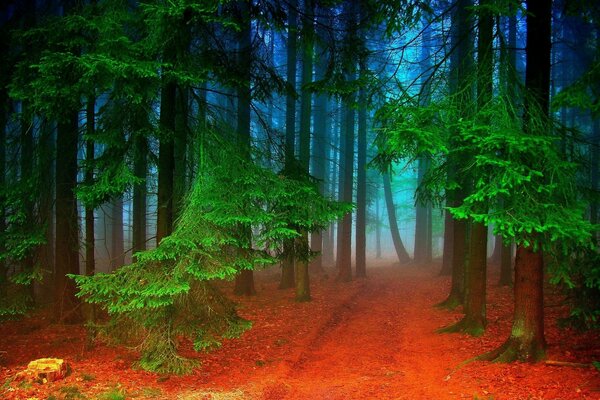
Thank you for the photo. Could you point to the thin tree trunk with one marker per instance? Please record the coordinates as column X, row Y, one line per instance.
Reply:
column 117, row 250
column 140, row 169
column 320, row 144
column 288, row 264
column 26, row 163
column 403, row 256
column 166, row 161
column 378, row 229
column 448, row 244
column 344, row 239
column 244, row 282
column 90, row 245
column 505, row 264
column 3, row 123
column 67, row 236
column 361, row 189
column 302, row 274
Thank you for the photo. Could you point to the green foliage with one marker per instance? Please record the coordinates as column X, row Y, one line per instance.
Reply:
column 578, row 274
column 520, row 176
column 236, row 217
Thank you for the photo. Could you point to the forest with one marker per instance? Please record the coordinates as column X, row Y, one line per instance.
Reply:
column 300, row 199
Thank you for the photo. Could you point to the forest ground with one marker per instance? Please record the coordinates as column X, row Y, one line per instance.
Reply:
column 368, row 339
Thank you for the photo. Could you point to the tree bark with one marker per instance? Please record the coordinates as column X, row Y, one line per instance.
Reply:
column 320, row 143
column 346, row 176
column 90, row 237
column 506, row 269
column 140, row 169
column 244, row 283
column 166, row 160
column 361, row 188
column 117, row 249
column 527, row 341
column 403, row 256
column 67, row 236
column 448, row 244
column 302, row 278
column 288, row 264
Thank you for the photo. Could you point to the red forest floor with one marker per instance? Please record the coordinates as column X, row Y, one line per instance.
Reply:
column 368, row 339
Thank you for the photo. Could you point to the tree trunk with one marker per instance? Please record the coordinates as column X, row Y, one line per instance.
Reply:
column 302, row 279
column 288, row 265
column 180, row 145
column 346, row 176
column 320, row 143
column 447, row 254
column 140, row 169
column 67, row 236
column 505, row 263
column 244, row 283
column 117, row 250
column 3, row 123
column 166, row 160
column 46, row 205
column 421, row 220
column 90, row 238
column 27, row 180
column 474, row 321
column 403, row 256
column 378, row 229
column 526, row 341
column 361, row 188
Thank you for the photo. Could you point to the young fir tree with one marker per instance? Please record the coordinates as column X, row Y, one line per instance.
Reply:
column 168, row 291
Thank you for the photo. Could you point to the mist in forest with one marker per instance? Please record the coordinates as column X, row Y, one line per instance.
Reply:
column 152, row 150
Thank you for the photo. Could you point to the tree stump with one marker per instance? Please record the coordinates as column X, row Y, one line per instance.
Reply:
column 46, row 370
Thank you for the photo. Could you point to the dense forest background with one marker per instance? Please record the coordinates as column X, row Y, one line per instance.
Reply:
column 150, row 147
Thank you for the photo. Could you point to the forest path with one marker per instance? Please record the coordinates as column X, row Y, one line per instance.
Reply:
column 378, row 344
column 370, row 338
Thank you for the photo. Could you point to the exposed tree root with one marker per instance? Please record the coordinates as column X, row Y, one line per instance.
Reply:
column 515, row 350
column 451, row 303
column 466, row 325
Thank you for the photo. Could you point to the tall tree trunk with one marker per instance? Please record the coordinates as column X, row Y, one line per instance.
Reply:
column 244, row 282
column 595, row 173
column 505, row 263
column 320, row 143
column 3, row 123
column 361, row 187
column 447, row 254
column 378, row 229
column 346, row 176
column 26, row 163
column 526, row 341
column 288, row 263
column 180, row 145
column 46, row 208
column 67, row 236
column 421, row 220
column 302, row 276
column 117, row 249
column 140, row 169
column 403, row 256
column 166, row 159
column 461, row 87
column 90, row 240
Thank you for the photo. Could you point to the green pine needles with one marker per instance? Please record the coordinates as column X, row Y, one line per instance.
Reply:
column 236, row 217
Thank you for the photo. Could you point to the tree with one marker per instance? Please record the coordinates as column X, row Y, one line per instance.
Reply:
column 287, row 265
column 403, row 256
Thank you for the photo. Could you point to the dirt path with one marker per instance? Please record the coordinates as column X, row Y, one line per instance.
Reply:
column 368, row 339
column 381, row 344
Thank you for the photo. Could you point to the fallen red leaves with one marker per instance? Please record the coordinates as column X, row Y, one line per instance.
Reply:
column 369, row 338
